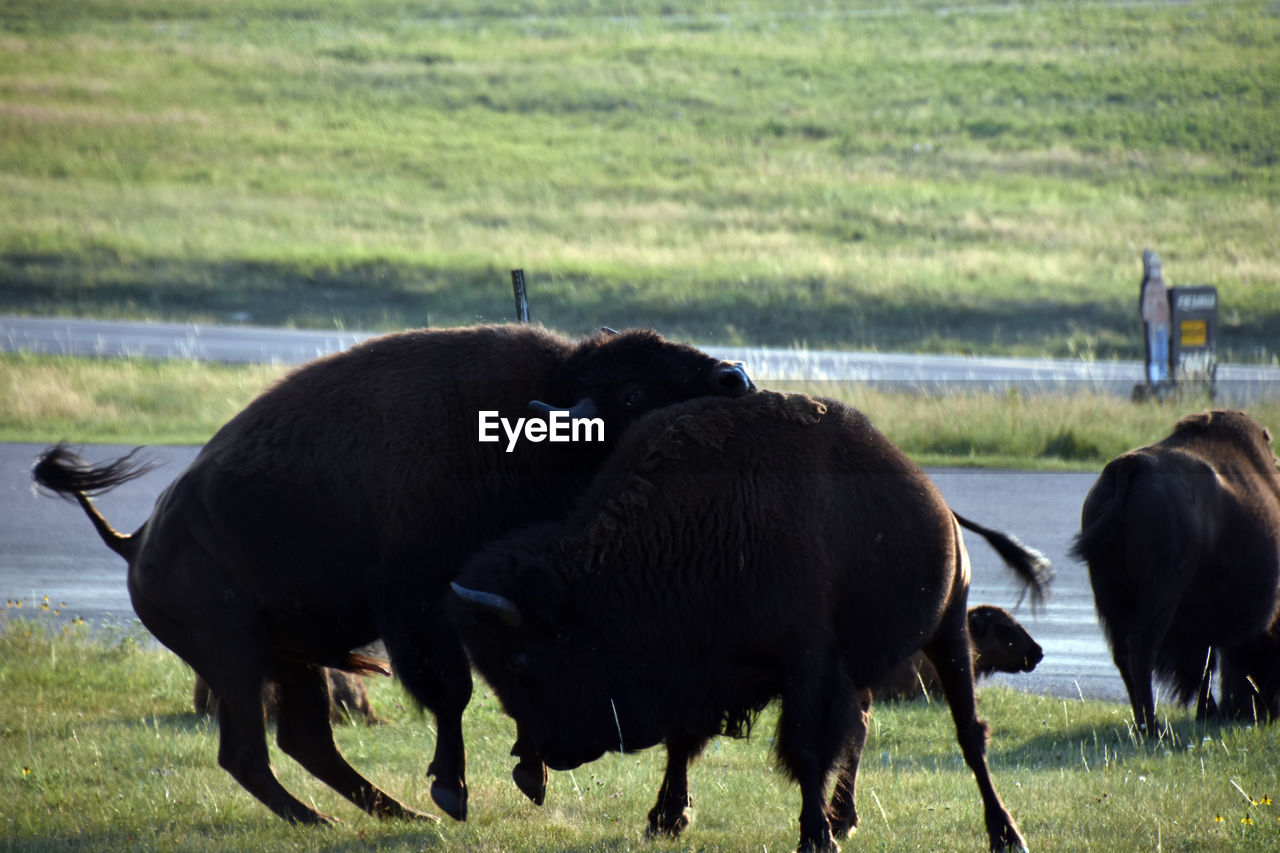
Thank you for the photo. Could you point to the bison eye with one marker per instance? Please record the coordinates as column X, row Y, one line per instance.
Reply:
column 632, row 398
column 517, row 663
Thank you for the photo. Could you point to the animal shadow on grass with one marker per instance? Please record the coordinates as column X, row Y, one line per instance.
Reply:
column 1098, row 745
column 183, row 721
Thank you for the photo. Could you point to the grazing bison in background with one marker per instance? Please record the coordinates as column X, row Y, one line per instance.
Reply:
column 1182, row 538
column 335, row 509
column 729, row 553
column 1000, row 644
column 348, row 698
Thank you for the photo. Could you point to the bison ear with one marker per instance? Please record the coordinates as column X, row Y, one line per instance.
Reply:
column 977, row 622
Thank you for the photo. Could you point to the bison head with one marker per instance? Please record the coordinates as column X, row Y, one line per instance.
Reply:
column 549, row 662
column 619, row 376
column 1236, row 428
column 1000, row 642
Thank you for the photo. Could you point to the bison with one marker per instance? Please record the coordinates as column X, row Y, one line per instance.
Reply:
column 348, row 698
column 729, row 553
column 1182, row 540
column 337, row 506
column 1000, row 644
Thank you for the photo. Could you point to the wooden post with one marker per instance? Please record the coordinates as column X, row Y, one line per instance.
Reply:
column 522, row 296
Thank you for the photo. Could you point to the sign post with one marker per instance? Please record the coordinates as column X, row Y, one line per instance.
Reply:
column 1180, row 326
column 522, row 296
column 1194, row 323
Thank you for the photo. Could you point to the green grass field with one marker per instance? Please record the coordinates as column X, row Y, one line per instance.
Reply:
column 967, row 176
column 99, row 750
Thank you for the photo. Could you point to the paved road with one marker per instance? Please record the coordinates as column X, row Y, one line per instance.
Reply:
column 48, row 548
column 64, row 336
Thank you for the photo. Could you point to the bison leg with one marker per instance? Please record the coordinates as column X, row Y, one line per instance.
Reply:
column 305, row 733
column 233, row 666
column 1206, row 708
column 843, row 811
column 950, row 655
column 529, row 774
column 242, row 752
column 431, row 664
column 670, row 814
column 817, row 724
column 1135, row 658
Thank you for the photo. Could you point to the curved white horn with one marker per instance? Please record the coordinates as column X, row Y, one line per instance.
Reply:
column 490, row 602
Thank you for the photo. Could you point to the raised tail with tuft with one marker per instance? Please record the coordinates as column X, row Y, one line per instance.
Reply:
column 1029, row 564
column 61, row 471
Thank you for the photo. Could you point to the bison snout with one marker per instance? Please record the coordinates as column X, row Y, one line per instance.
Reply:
column 1032, row 658
column 734, row 380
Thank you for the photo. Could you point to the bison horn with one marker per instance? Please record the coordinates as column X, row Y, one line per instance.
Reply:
column 490, row 602
column 584, row 408
column 608, row 331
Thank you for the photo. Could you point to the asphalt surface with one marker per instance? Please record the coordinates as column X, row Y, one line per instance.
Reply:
column 928, row 373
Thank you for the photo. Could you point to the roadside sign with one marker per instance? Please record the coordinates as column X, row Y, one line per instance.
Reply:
column 1192, row 350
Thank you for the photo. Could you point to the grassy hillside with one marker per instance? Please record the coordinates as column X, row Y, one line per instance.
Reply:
column 962, row 176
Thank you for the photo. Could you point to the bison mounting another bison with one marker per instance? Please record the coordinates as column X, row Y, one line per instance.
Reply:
column 337, row 506
column 729, row 553
column 1182, row 538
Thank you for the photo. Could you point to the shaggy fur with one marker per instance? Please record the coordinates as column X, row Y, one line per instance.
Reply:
column 1182, row 538
column 334, row 510
column 730, row 553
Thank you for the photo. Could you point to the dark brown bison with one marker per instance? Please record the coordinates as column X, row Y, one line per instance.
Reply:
column 1182, row 538
column 348, row 698
column 1000, row 644
column 335, row 509
column 732, row 552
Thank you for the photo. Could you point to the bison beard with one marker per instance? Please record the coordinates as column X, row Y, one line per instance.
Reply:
column 730, row 553
column 334, row 510
column 1182, row 538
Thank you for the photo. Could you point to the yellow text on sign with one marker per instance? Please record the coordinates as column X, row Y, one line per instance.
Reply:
column 1195, row 333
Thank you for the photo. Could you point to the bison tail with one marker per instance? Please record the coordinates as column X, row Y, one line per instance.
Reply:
column 63, row 472
column 1031, row 566
column 1105, row 504
column 1092, row 540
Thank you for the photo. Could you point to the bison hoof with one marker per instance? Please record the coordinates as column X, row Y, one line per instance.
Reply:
column 818, row 845
column 843, row 827
column 452, row 799
column 662, row 824
column 530, row 777
column 405, row 813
